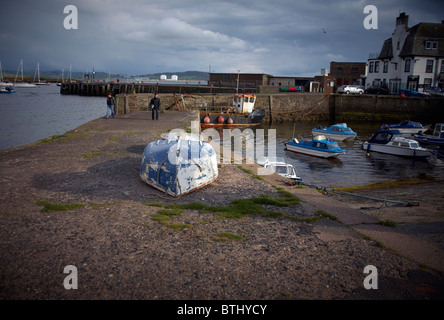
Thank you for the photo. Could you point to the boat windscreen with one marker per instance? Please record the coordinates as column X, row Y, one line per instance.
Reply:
column 280, row 169
column 333, row 145
column 381, row 137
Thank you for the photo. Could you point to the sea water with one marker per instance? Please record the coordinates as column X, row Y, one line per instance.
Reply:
column 32, row 114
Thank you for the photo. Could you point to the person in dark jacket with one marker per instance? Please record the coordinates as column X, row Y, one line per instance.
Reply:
column 155, row 105
column 110, row 102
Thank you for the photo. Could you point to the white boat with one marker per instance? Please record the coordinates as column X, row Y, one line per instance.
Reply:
column 338, row 131
column 39, row 82
column 392, row 142
column 406, row 127
column 22, row 84
column 3, row 83
column 279, row 166
column 319, row 147
column 178, row 166
column 6, row 89
column 242, row 114
column 437, row 138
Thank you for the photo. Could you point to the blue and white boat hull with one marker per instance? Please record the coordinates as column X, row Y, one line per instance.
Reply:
column 339, row 132
column 178, row 167
column 318, row 147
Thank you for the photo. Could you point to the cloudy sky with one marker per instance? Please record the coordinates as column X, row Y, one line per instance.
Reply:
column 277, row 37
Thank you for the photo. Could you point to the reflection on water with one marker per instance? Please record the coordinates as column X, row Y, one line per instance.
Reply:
column 354, row 167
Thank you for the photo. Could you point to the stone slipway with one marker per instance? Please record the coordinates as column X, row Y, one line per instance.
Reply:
column 404, row 244
column 126, row 255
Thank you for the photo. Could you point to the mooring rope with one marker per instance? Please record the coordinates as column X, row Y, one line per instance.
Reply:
column 385, row 201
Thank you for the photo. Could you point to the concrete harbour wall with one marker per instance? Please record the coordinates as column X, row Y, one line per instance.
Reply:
column 302, row 106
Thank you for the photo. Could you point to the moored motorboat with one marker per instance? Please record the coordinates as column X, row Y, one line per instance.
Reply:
column 392, row 142
column 7, row 90
column 279, row 166
column 437, row 138
column 406, row 127
column 178, row 166
column 338, row 131
column 241, row 114
column 319, row 146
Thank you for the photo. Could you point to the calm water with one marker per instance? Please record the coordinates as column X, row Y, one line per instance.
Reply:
column 32, row 114
column 354, row 167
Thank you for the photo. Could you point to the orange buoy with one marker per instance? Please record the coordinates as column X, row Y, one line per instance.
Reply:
column 220, row 119
column 230, row 121
column 206, row 119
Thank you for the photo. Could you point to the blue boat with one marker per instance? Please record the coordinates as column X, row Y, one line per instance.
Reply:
column 406, row 127
column 7, row 90
column 437, row 138
column 338, row 131
column 178, row 166
column 319, row 146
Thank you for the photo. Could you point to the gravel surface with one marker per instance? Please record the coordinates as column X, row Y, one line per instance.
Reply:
column 120, row 252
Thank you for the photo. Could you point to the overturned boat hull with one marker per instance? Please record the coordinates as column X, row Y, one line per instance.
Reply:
column 178, row 167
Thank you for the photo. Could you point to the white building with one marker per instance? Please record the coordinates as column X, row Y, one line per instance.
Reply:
column 413, row 58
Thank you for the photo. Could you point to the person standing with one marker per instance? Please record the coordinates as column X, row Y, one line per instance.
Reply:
column 110, row 102
column 155, row 105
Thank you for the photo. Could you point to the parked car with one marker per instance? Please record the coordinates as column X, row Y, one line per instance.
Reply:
column 435, row 91
column 347, row 89
column 411, row 93
column 377, row 89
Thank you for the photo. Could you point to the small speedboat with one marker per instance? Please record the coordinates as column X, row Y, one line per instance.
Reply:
column 178, row 166
column 279, row 166
column 406, row 127
column 7, row 90
column 338, row 131
column 437, row 138
column 392, row 142
column 319, row 146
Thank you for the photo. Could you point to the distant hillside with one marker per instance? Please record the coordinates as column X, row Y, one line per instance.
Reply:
column 57, row 75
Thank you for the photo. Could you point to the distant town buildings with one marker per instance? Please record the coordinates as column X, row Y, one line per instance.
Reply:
column 412, row 58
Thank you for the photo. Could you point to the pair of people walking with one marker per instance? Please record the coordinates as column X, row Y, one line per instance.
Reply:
column 154, row 104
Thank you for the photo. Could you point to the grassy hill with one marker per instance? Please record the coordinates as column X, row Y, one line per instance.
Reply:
column 57, row 75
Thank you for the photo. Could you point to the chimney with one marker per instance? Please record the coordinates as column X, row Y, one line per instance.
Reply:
column 402, row 19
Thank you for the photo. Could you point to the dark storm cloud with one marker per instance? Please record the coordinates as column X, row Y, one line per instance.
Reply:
column 278, row 37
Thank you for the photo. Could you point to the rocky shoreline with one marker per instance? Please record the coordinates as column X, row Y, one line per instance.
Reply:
column 122, row 253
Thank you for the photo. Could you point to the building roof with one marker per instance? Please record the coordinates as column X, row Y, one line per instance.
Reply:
column 387, row 50
column 414, row 44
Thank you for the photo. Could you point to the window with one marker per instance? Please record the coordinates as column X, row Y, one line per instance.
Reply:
column 339, row 69
column 386, row 67
column 431, row 45
column 376, row 66
column 429, row 66
column 442, row 66
column 427, row 83
column 408, row 62
column 370, row 67
column 397, row 45
column 355, row 69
